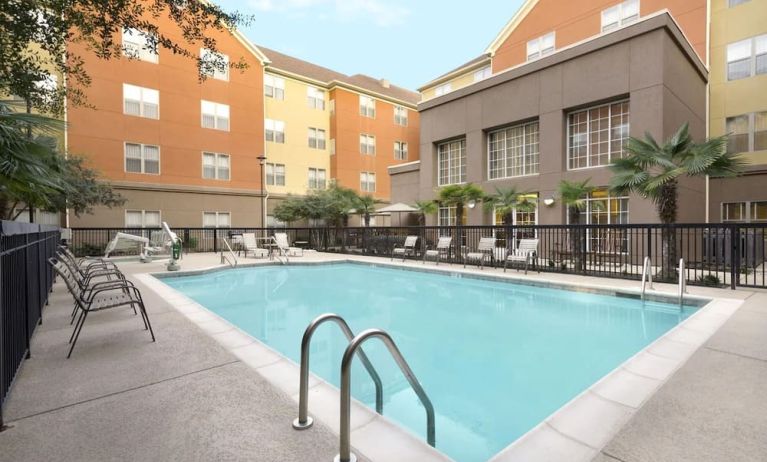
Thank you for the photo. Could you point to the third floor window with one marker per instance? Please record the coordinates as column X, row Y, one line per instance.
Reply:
column 275, row 130
column 451, row 162
column 141, row 45
column 400, row 150
column 140, row 101
column 215, row 166
column 315, row 98
column 400, row 115
column 620, row 15
column 541, row 46
column 275, row 174
column 274, row 87
column 368, row 144
column 215, row 115
column 214, row 65
column 316, row 138
column 513, row 151
column 747, row 58
column 367, row 106
column 747, row 132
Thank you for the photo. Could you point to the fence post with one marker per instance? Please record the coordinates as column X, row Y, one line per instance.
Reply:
column 2, row 327
column 215, row 241
column 735, row 257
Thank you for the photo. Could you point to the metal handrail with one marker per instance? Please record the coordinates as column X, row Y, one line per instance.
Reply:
column 231, row 252
column 304, row 421
column 345, row 454
column 646, row 274
column 682, row 282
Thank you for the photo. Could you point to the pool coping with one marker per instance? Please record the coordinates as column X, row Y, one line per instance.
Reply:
column 576, row 431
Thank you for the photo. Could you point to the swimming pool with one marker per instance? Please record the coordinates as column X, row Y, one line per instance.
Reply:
column 496, row 358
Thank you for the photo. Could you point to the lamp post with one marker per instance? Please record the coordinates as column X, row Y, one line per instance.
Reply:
column 262, row 161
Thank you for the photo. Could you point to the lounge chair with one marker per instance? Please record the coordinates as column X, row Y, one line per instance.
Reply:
column 442, row 248
column 526, row 252
column 484, row 251
column 283, row 245
column 249, row 244
column 408, row 248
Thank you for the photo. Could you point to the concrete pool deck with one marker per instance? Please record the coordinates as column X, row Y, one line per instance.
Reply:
column 185, row 397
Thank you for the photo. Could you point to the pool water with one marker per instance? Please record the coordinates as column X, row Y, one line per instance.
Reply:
column 495, row 358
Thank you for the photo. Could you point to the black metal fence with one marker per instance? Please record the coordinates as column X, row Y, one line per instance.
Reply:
column 25, row 282
column 725, row 255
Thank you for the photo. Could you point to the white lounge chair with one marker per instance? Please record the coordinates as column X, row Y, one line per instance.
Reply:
column 249, row 244
column 484, row 251
column 283, row 245
column 408, row 248
column 443, row 248
column 526, row 251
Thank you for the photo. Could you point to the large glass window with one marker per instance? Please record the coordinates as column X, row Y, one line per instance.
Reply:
column 747, row 58
column 744, row 211
column 620, row 15
column 216, row 220
column 142, row 219
column 513, row 151
column 451, row 161
column 602, row 209
column 597, row 135
column 747, row 132
column 142, row 158
column 520, row 217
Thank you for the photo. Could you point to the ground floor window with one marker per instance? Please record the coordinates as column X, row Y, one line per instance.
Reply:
column 142, row 219
column 273, row 222
column 603, row 209
column 744, row 211
column 519, row 217
column 216, row 220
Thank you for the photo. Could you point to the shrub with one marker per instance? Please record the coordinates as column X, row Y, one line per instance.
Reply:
column 710, row 280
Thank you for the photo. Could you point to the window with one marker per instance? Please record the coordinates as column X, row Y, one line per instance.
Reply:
column 400, row 150
column 447, row 217
column 744, row 211
column 367, row 106
column 211, row 63
column 602, row 209
column 273, row 222
column 443, row 89
column 215, row 115
column 747, row 58
column 597, row 135
column 758, row 211
column 620, row 15
column 274, row 87
column 747, row 132
column 275, row 174
column 400, row 115
column 315, row 98
column 540, row 47
column 140, row 101
column 216, row 220
column 316, row 138
column 519, row 218
column 317, row 178
column 483, row 73
column 732, row 3
column 140, row 45
column 142, row 158
column 275, row 130
column 513, row 151
column 215, row 166
column 451, row 159
column 368, row 182
column 368, row 144
column 142, row 219
column 46, row 88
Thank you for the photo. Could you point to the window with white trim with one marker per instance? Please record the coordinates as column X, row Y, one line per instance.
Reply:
column 141, row 102
column 400, row 150
column 216, row 220
column 597, row 135
column 541, row 46
column 747, row 132
column 519, row 217
column 315, row 98
column 142, row 158
column 482, row 74
column 744, row 212
column 142, row 219
column 733, row 3
column 620, row 15
column 451, row 162
column 274, row 130
column 215, row 115
column 513, row 151
column 215, row 166
column 367, row 144
column 211, row 63
column 367, row 182
column 275, row 174
column 367, row 106
column 317, row 178
column 747, row 58
column 602, row 209
column 316, row 138
column 400, row 115
column 274, row 87
column 138, row 44
column 443, row 89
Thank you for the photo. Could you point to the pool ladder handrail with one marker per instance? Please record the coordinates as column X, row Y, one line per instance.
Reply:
column 304, row 421
column 682, row 282
column 224, row 259
column 646, row 275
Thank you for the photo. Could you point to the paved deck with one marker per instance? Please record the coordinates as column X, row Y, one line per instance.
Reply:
column 122, row 397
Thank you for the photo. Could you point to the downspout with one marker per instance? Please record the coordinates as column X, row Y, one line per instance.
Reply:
column 708, row 101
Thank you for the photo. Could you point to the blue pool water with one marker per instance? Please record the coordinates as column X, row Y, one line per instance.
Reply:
column 495, row 358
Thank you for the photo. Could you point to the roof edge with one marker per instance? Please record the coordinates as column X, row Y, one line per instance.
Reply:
column 339, row 83
column 518, row 17
column 455, row 73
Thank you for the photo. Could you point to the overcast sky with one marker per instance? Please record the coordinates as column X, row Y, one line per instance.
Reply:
column 407, row 42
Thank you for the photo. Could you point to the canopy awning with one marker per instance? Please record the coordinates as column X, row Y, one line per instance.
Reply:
column 397, row 208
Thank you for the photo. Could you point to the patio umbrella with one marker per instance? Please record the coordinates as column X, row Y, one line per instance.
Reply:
column 398, row 208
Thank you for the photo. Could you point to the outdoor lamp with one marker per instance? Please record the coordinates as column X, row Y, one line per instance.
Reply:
column 549, row 201
column 472, row 203
column 261, row 159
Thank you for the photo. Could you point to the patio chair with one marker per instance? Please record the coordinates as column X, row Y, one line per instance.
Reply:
column 249, row 244
column 283, row 245
column 84, row 265
column 99, row 297
column 442, row 248
column 86, row 282
column 408, row 248
column 484, row 251
column 526, row 252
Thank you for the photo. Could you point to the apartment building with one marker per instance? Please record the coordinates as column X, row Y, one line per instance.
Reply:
column 322, row 126
column 738, row 106
column 554, row 98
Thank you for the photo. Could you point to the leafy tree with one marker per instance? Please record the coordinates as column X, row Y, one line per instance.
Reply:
column 653, row 171
column 289, row 210
column 573, row 195
column 425, row 208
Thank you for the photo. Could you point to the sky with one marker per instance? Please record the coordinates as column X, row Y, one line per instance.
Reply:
column 407, row 42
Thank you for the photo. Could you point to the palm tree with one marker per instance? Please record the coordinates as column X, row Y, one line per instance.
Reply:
column 507, row 201
column 458, row 195
column 573, row 195
column 365, row 205
column 425, row 208
column 653, row 171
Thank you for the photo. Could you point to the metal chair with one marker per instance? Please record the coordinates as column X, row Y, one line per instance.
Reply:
column 408, row 248
column 485, row 250
column 442, row 248
column 526, row 252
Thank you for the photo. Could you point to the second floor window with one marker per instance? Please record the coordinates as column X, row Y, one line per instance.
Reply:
column 274, row 87
column 400, row 115
column 216, row 219
column 513, row 151
column 214, row 65
column 275, row 174
column 744, row 212
column 316, row 138
column 315, row 98
column 451, row 162
column 367, row 106
column 597, row 135
column 215, row 115
column 274, row 130
column 317, row 178
column 541, row 46
column 747, row 132
column 367, row 182
column 482, row 74
column 747, row 58
column 215, row 166
column 142, row 158
column 620, row 15
column 443, row 89
column 140, row 101
column 368, row 144
column 139, row 45
column 400, row 150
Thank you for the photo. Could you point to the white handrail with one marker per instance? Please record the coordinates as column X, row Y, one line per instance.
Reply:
column 682, row 282
column 646, row 274
column 231, row 252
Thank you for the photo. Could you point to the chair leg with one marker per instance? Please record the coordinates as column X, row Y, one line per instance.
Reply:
column 527, row 261
column 77, row 333
column 146, row 319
